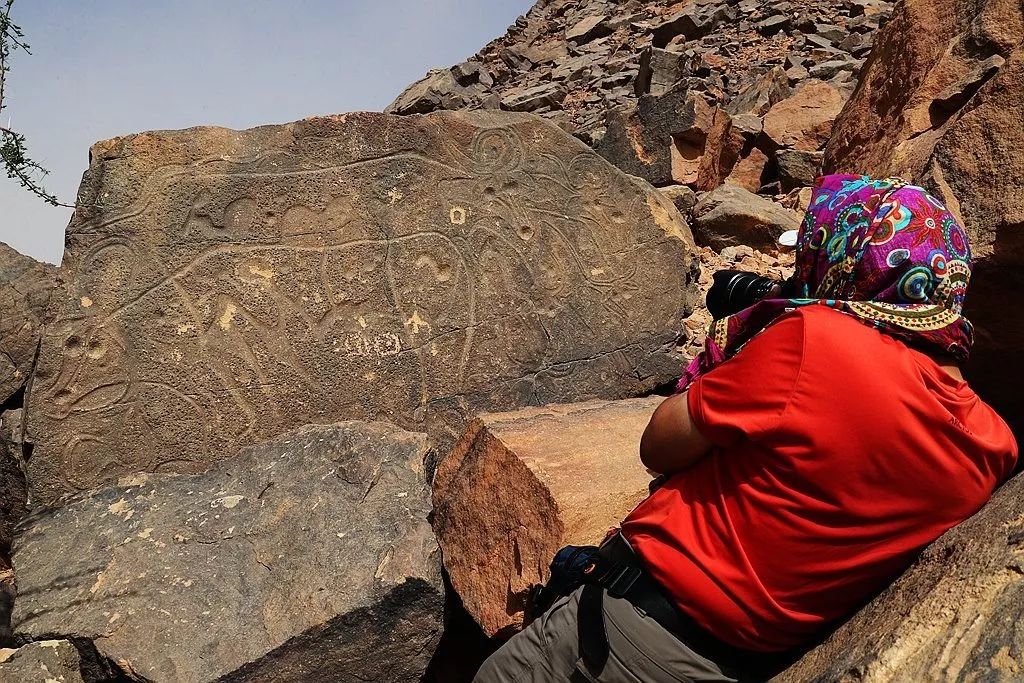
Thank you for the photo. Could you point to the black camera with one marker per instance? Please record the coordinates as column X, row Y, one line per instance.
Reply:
column 733, row 290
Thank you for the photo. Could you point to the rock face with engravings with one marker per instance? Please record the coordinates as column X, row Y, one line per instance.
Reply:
column 26, row 287
column 308, row 557
column 233, row 285
column 942, row 102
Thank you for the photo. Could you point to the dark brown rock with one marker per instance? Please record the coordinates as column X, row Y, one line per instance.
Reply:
column 25, row 290
column 682, row 196
column 235, row 285
column 749, row 171
column 944, row 110
column 544, row 96
column 46, row 661
column 305, row 558
column 13, row 506
column 13, row 492
column 761, row 94
column 731, row 215
column 773, row 25
column 439, row 89
column 722, row 149
column 692, row 22
column 588, row 29
column 953, row 616
column 833, row 67
column 468, row 73
column 662, row 139
column 659, row 70
column 511, row 494
column 797, row 168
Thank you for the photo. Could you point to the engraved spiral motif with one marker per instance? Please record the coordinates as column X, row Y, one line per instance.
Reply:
column 497, row 149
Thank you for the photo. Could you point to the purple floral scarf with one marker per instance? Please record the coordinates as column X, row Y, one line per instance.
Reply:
column 883, row 251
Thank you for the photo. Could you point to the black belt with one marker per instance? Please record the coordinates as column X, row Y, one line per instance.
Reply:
column 622, row 575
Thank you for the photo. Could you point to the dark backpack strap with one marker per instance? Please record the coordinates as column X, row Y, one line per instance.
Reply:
column 590, row 627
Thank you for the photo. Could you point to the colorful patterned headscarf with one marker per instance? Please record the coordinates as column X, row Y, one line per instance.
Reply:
column 883, row 251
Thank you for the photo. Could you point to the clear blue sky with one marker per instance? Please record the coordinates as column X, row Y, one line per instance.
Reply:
column 102, row 68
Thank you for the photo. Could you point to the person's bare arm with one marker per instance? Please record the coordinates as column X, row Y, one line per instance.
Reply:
column 671, row 441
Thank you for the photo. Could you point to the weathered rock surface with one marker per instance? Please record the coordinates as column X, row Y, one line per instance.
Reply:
column 234, row 285
column 13, row 495
column 804, row 120
column 13, row 506
column 731, row 215
column 520, row 485
column 762, row 94
column 46, row 661
column 305, row 558
column 797, row 168
column 940, row 103
column 955, row 615
column 681, row 196
column 662, row 139
column 25, row 290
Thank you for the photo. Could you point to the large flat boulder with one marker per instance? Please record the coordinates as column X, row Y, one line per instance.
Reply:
column 955, row 615
column 520, row 485
column 940, row 102
column 232, row 285
column 304, row 558
column 25, row 290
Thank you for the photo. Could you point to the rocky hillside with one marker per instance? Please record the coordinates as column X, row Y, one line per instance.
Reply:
column 573, row 61
column 311, row 402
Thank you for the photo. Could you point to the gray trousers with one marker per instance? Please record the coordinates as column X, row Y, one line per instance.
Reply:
column 640, row 651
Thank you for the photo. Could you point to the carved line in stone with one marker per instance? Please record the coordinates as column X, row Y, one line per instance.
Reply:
column 506, row 156
column 218, row 344
column 161, row 176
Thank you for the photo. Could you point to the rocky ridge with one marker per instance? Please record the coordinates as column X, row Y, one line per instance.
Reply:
column 573, row 61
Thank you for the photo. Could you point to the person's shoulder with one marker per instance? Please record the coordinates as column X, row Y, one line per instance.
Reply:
column 822, row 331
column 842, row 340
column 823, row 321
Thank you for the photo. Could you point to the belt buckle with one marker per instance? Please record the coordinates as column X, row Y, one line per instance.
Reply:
column 622, row 581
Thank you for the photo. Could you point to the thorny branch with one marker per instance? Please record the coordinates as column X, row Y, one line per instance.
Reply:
column 13, row 150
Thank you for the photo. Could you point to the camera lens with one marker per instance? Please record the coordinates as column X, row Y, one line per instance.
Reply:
column 733, row 290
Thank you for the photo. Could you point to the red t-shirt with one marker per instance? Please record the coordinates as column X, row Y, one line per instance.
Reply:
column 840, row 453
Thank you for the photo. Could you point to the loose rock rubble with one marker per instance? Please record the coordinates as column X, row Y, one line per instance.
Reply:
column 691, row 94
column 574, row 62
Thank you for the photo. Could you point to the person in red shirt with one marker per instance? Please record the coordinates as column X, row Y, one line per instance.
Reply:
column 823, row 438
